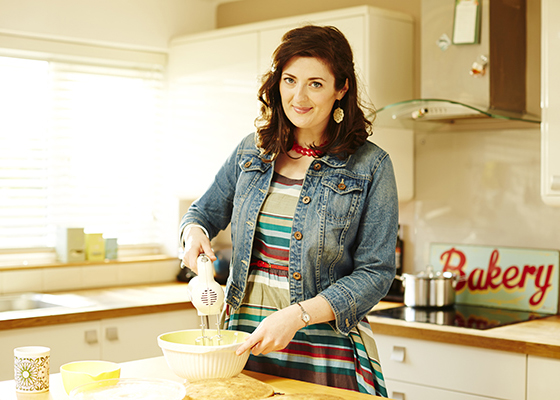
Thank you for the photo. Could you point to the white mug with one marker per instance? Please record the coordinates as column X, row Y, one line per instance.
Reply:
column 31, row 369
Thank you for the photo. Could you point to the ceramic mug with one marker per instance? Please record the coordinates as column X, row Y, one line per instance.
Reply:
column 31, row 369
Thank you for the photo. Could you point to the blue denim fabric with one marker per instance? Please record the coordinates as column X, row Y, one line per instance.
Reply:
column 347, row 216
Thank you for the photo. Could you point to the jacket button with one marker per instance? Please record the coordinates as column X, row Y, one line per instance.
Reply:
column 347, row 323
column 306, row 200
column 296, row 276
column 317, row 167
column 298, row 235
column 247, row 164
column 341, row 186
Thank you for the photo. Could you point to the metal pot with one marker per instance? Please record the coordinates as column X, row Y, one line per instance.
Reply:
column 429, row 288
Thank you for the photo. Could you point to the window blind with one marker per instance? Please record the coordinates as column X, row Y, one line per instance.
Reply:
column 79, row 147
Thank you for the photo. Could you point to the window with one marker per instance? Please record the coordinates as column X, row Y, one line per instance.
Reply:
column 79, row 147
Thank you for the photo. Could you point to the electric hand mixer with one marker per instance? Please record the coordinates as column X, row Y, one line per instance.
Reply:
column 208, row 297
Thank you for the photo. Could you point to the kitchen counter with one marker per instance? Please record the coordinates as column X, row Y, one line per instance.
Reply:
column 539, row 337
column 96, row 304
column 157, row 368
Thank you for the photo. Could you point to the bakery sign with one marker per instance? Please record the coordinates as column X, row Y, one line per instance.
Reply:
column 501, row 277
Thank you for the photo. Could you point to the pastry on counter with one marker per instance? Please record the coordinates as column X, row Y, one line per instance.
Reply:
column 240, row 387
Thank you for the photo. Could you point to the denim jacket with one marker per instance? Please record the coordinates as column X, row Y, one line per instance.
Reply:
column 344, row 230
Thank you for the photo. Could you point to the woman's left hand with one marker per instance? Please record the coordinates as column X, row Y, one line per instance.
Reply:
column 274, row 332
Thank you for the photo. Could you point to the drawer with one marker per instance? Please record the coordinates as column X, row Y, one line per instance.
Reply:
column 471, row 370
column 542, row 375
column 409, row 391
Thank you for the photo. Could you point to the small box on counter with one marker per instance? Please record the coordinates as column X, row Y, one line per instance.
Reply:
column 111, row 249
column 95, row 247
column 70, row 245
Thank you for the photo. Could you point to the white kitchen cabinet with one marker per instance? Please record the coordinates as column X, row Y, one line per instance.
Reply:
column 115, row 339
column 542, row 378
column 353, row 26
column 409, row 391
column 66, row 341
column 212, row 89
column 133, row 338
column 550, row 100
column 214, row 78
column 421, row 369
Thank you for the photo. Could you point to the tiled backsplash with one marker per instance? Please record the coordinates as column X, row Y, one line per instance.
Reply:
column 61, row 278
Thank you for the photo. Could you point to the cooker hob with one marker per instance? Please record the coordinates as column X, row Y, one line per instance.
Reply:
column 461, row 315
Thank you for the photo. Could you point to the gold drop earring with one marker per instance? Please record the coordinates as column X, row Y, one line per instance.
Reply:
column 338, row 114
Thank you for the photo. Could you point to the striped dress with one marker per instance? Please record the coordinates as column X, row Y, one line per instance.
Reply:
column 317, row 352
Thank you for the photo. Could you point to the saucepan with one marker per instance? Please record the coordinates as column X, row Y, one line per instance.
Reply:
column 429, row 289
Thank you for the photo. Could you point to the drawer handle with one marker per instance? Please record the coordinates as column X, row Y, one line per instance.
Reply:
column 398, row 396
column 91, row 336
column 112, row 333
column 398, row 353
column 555, row 182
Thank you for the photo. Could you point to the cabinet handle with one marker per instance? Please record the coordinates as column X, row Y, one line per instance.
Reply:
column 91, row 336
column 398, row 396
column 112, row 333
column 398, row 353
column 555, row 182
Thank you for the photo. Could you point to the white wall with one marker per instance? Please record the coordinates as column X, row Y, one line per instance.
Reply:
column 471, row 187
column 137, row 23
column 477, row 187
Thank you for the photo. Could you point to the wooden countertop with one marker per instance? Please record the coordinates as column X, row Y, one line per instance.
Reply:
column 156, row 368
column 105, row 303
column 539, row 337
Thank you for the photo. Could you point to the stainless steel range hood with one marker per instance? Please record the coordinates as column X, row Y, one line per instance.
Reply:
column 504, row 93
column 441, row 114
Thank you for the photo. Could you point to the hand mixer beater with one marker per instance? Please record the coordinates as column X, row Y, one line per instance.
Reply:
column 208, row 297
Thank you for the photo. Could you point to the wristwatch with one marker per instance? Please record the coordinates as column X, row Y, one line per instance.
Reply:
column 304, row 315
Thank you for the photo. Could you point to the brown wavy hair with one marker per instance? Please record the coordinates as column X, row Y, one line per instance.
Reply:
column 275, row 132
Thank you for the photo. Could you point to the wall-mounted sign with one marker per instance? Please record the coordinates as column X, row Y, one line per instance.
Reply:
column 466, row 22
column 501, row 277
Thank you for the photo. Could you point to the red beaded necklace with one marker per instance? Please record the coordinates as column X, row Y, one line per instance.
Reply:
column 307, row 151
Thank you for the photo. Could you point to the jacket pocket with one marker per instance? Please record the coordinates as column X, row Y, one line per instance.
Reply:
column 252, row 162
column 252, row 171
column 340, row 197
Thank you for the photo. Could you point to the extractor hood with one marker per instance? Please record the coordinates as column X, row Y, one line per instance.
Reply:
column 487, row 84
column 441, row 114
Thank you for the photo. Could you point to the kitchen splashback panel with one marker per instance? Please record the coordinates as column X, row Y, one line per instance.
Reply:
column 501, row 277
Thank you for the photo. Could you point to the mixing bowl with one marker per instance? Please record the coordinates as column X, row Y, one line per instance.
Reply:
column 193, row 361
column 81, row 372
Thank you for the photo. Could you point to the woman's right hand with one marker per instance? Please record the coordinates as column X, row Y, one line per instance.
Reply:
column 196, row 242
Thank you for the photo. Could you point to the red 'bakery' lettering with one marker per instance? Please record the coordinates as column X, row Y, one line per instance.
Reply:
column 492, row 278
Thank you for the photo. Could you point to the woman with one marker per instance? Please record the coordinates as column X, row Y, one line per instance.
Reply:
column 314, row 214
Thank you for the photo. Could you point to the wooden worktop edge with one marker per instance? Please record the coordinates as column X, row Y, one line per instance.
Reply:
column 468, row 339
column 85, row 316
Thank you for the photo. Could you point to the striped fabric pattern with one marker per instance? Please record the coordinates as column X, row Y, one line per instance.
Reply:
column 317, row 353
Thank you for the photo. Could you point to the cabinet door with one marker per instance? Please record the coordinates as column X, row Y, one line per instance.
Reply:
column 353, row 28
column 212, row 104
column 550, row 126
column 399, row 143
column 476, row 371
column 407, row 391
column 375, row 75
column 133, row 338
column 542, row 375
column 68, row 342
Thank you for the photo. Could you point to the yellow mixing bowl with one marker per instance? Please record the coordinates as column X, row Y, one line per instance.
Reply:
column 78, row 373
